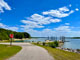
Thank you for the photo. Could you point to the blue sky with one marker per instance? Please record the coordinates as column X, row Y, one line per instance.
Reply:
column 41, row 17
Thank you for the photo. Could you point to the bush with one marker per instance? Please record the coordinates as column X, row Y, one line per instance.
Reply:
column 39, row 42
column 53, row 44
column 44, row 43
column 56, row 43
column 50, row 44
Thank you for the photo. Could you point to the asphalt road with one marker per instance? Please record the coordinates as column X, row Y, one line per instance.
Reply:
column 30, row 52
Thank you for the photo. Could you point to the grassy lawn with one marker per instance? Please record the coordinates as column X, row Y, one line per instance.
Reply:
column 7, row 51
column 60, row 54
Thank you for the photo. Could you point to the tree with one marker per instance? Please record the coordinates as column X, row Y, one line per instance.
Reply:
column 26, row 35
column 4, row 34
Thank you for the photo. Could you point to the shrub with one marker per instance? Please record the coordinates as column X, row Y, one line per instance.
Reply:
column 37, row 42
column 56, row 43
column 53, row 44
column 44, row 43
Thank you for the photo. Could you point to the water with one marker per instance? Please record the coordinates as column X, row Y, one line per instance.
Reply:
column 73, row 43
column 36, row 40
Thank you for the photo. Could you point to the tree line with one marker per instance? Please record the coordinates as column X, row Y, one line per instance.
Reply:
column 4, row 34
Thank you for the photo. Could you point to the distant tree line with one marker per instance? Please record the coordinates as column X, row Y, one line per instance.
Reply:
column 75, row 37
column 4, row 34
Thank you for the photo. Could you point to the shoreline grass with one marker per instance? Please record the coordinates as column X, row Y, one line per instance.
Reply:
column 61, row 54
column 7, row 51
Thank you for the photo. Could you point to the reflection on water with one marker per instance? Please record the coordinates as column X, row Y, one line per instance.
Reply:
column 73, row 43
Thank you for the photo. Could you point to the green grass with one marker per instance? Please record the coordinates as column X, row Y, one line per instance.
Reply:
column 7, row 51
column 60, row 54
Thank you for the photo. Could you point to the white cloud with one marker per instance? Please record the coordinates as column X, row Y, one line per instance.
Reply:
column 8, row 27
column 59, row 13
column 63, row 28
column 58, row 31
column 48, row 17
column 67, row 23
column 38, row 21
column 13, row 28
column 4, row 5
column 43, row 33
column 70, row 5
column 77, row 9
column 30, row 24
column 2, row 25
column 55, row 20
column 63, row 9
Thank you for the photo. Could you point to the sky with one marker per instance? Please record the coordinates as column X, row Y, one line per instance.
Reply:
column 41, row 18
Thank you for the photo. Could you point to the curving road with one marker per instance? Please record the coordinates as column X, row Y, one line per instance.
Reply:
column 30, row 52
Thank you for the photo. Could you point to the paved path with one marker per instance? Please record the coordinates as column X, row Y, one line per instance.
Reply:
column 30, row 52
